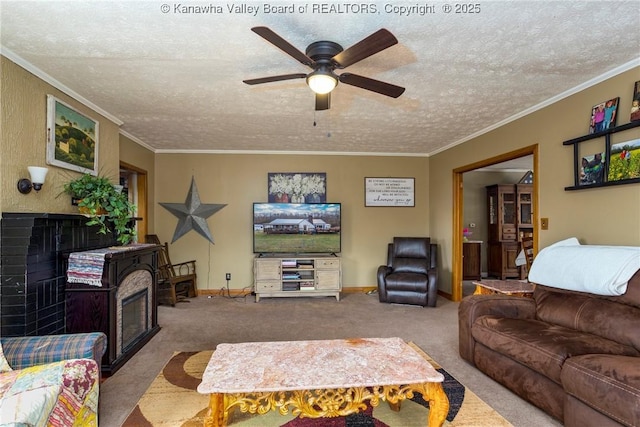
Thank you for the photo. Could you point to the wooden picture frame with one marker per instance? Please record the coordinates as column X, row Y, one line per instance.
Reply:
column 72, row 138
column 297, row 187
column 396, row 192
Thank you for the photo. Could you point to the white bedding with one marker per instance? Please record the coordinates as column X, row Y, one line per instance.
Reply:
column 600, row 270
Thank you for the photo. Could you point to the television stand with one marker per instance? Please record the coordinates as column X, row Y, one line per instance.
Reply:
column 297, row 276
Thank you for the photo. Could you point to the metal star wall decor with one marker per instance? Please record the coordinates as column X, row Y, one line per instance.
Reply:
column 192, row 214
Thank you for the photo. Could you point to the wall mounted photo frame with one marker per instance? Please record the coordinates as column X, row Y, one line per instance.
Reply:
column 604, row 115
column 72, row 138
column 297, row 187
column 396, row 192
column 624, row 163
column 592, row 169
column 635, row 102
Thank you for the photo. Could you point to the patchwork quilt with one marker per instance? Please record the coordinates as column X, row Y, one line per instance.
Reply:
column 62, row 393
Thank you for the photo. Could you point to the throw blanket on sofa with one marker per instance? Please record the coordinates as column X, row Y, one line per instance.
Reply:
column 600, row 270
column 62, row 393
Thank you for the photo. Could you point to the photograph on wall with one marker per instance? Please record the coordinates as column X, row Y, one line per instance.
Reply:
column 604, row 115
column 624, row 162
column 72, row 138
column 635, row 103
column 592, row 169
column 299, row 187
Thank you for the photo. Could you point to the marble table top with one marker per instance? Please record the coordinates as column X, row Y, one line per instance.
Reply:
column 507, row 286
column 316, row 364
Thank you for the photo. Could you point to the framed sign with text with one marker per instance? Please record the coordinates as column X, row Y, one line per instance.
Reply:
column 399, row 192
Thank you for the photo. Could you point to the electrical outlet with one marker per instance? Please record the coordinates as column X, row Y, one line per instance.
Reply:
column 227, row 276
column 544, row 223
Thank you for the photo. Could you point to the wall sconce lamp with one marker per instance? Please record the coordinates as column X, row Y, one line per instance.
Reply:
column 37, row 179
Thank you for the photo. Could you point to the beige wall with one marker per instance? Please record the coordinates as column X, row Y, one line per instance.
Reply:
column 607, row 215
column 239, row 180
column 596, row 216
column 23, row 143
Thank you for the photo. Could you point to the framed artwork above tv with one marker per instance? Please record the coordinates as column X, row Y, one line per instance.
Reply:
column 297, row 187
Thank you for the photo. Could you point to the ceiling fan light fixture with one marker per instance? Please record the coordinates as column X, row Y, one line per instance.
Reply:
column 322, row 81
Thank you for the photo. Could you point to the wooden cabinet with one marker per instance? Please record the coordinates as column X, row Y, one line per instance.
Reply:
column 510, row 217
column 501, row 203
column 501, row 260
column 297, row 276
column 524, row 194
column 471, row 260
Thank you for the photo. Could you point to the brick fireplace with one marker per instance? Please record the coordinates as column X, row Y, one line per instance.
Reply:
column 33, row 248
column 35, row 298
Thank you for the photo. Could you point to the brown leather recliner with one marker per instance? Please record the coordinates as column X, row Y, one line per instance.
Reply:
column 411, row 275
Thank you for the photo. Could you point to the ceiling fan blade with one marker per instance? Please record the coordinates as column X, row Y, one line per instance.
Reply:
column 282, row 44
column 274, row 78
column 323, row 102
column 370, row 84
column 371, row 45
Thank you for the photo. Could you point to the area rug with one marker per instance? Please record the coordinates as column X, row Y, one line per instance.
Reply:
column 172, row 401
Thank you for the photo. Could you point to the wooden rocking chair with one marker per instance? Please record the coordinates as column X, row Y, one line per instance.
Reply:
column 527, row 247
column 176, row 282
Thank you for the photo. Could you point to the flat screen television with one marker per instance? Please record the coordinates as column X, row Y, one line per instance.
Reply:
column 296, row 228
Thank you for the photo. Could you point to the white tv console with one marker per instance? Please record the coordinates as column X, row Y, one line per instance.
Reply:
column 297, row 276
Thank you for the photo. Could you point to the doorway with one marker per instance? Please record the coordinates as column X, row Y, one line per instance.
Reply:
column 135, row 184
column 458, row 208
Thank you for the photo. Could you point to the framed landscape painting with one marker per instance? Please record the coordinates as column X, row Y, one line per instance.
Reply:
column 72, row 138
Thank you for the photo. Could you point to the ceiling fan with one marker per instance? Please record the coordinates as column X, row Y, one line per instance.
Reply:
column 324, row 57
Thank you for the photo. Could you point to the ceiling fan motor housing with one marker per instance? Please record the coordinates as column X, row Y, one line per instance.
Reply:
column 323, row 51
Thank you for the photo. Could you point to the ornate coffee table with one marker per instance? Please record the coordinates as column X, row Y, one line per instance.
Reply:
column 323, row 378
column 505, row 287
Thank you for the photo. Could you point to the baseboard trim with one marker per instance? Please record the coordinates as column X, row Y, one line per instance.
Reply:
column 240, row 292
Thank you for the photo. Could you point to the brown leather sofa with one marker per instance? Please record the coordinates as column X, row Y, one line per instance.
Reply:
column 411, row 273
column 574, row 355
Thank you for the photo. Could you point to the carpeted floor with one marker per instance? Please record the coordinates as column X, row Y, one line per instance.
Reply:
column 203, row 323
column 172, row 400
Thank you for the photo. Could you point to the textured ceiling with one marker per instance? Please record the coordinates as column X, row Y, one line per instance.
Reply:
column 174, row 79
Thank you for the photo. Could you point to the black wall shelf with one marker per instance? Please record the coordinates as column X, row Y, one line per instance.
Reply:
column 606, row 134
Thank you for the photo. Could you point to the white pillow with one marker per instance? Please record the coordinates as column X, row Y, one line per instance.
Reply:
column 4, row 365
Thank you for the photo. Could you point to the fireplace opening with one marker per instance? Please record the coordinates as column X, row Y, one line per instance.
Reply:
column 134, row 318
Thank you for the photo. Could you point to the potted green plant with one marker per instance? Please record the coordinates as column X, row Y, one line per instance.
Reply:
column 105, row 205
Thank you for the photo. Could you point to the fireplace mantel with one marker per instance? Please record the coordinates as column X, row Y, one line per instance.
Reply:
column 123, row 301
